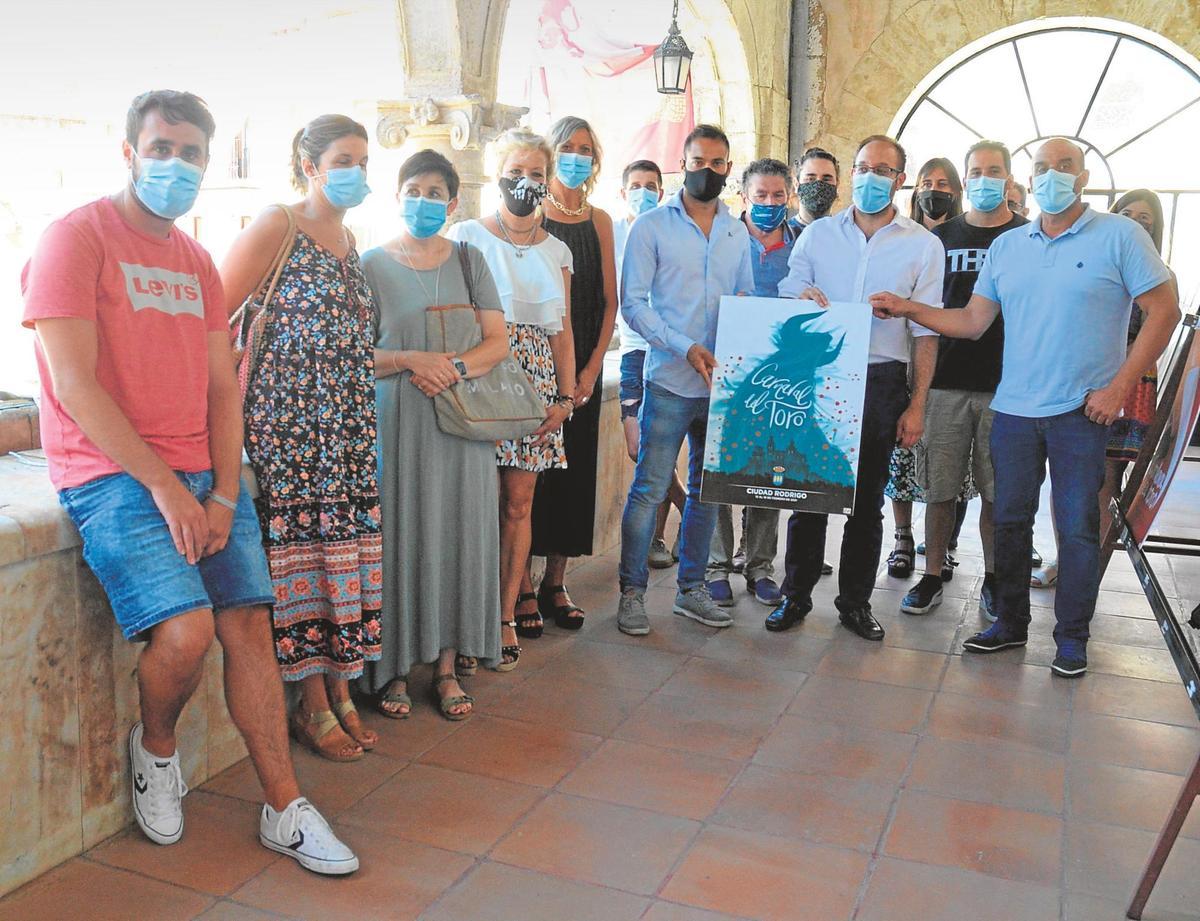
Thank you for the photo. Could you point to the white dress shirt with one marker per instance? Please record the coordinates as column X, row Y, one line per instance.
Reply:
column 833, row 254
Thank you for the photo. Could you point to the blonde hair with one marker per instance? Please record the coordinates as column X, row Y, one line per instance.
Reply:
column 516, row 139
column 560, row 133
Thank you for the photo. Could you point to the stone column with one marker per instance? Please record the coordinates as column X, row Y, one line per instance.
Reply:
column 458, row 127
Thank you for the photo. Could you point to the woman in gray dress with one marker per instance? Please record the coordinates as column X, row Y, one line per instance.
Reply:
column 441, row 542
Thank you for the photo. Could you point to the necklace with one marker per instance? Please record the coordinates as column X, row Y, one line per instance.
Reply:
column 435, row 298
column 521, row 249
column 571, row 212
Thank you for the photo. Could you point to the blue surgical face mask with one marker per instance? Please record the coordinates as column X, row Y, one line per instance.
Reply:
column 986, row 193
column 424, row 216
column 872, row 193
column 767, row 217
column 573, row 169
column 346, row 187
column 641, row 200
column 168, row 188
column 1054, row 191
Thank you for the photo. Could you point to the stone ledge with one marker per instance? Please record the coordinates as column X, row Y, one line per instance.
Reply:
column 18, row 425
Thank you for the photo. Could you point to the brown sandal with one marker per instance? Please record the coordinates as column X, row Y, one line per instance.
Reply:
column 347, row 715
column 318, row 733
column 447, row 704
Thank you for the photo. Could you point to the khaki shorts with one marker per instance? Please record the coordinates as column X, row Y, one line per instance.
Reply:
column 958, row 428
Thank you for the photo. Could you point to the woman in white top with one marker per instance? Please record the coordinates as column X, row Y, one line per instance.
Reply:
column 532, row 271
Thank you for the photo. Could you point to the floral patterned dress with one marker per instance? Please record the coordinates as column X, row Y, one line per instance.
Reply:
column 310, row 436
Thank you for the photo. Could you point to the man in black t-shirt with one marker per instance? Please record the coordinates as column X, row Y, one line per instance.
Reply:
column 958, row 419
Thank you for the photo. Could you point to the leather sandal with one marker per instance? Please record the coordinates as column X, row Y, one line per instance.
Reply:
column 389, row 695
column 447, row 704
column 528, row 626
column 465, row 666
column 316, row 732
column 347, row 715
column 509, row 655
column 566, row 616
column 900, row 560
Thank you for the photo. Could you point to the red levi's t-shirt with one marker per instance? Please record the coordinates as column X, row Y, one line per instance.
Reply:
column 153, row 301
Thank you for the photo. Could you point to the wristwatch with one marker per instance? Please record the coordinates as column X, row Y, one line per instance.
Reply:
column 460, row 366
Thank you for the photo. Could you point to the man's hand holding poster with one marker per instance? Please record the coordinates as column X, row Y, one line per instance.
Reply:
column 787, row 397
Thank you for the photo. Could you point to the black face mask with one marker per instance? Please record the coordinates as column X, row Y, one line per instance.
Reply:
column 935, row 204
column 703, row 184
column 817, row 196
column 521, row 196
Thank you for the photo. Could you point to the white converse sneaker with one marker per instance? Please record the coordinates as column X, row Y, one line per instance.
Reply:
column 302, row 832
column 158, row 788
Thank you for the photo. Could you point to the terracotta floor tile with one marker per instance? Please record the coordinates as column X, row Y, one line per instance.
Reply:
column 984, row 676
column 1126, row 631
column 1126, row 796
column 798, row 649
column 1107, row 861
column 864, row 661
column 976, row 719
column 218, row 852
column 861, row 703
column 596, row 842
column 1134, row 743
column 553, row 700
column 442, row 808
column 1081, row 907
column 521, row 752
column 1130, row 603
column 496, row 892
column 708, row 727
column 332, row 787
column 405, row 740
column 234, row 911
column 664, row 780
column 989, row 839
column 109, row 894
column 990, row 772
column 397, row 880
column 668, row 633
column 669, row 911
column 903, row 891
column 1132, row 662
column 1135, row 698
column 614, row 665
column 855, row 753
column 742, row 873
column 933, row 632
column 828, row 810
column 741, row 683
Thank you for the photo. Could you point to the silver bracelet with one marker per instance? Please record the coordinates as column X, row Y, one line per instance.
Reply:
column 221, row 500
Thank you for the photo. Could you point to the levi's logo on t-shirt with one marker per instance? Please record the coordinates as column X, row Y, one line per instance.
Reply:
column 153, row 288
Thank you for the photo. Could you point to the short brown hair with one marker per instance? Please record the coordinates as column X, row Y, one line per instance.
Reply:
column 883, row 139
column 173, row 105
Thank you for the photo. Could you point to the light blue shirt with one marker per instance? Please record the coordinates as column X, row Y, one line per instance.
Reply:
column 672, row 281
column 630, row 341
column 1065, row 303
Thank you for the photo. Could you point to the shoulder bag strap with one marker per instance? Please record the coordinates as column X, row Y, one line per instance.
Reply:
column 281, row 257
column 464, row 260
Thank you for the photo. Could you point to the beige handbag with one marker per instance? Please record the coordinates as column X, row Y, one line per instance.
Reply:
column 246, row 324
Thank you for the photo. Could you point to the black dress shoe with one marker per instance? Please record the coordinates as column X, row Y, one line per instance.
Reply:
column 861, row 621
column 787, row 615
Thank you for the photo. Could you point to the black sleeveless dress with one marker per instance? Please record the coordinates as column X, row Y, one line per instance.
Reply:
column 564, row 503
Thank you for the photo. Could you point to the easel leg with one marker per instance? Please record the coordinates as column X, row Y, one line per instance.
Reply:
column 1166, row 840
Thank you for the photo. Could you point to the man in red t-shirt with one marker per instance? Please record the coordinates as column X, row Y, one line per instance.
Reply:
column 142, row 427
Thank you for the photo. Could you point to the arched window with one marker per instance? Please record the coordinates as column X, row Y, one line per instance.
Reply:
column 1126, row 96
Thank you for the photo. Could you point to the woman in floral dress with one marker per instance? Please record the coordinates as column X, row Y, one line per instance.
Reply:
column 310, row 436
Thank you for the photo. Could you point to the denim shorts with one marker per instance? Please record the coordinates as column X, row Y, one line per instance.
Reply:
column 632, row 387
column 128, row 546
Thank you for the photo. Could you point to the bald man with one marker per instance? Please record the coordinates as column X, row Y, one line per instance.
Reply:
column 1064, row 285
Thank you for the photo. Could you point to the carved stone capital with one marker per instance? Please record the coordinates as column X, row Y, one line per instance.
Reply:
column 464, row 122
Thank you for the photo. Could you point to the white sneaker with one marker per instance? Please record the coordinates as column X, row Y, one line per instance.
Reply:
column 302, row 832
column 158, row 790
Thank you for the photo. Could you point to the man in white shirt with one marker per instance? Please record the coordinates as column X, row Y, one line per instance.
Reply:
column 848, row 257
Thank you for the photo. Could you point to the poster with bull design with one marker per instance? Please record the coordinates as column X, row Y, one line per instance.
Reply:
column 786, row 413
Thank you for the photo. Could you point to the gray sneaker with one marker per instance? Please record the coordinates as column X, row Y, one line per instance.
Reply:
column 659, row 556
column 631, row 614
column 697, row 603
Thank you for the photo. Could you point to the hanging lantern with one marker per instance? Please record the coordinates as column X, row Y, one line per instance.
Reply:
column 672, row 60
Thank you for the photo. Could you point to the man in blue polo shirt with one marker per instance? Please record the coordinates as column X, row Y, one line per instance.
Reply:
column 1064, row 286
column 680, row 258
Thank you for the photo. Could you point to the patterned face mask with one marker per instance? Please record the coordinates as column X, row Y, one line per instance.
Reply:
column 521, row 196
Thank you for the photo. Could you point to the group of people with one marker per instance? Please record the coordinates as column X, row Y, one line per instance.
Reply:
column 369, row 546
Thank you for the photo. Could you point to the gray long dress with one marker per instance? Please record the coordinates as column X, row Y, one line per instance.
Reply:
column 438, row 493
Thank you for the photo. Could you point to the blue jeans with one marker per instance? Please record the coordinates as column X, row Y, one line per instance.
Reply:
column 1075, row 448
column 666, row 419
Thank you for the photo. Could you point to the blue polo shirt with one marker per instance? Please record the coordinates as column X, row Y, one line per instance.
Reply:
column 770, row 264
column 672, row 281
column 1065, row 303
